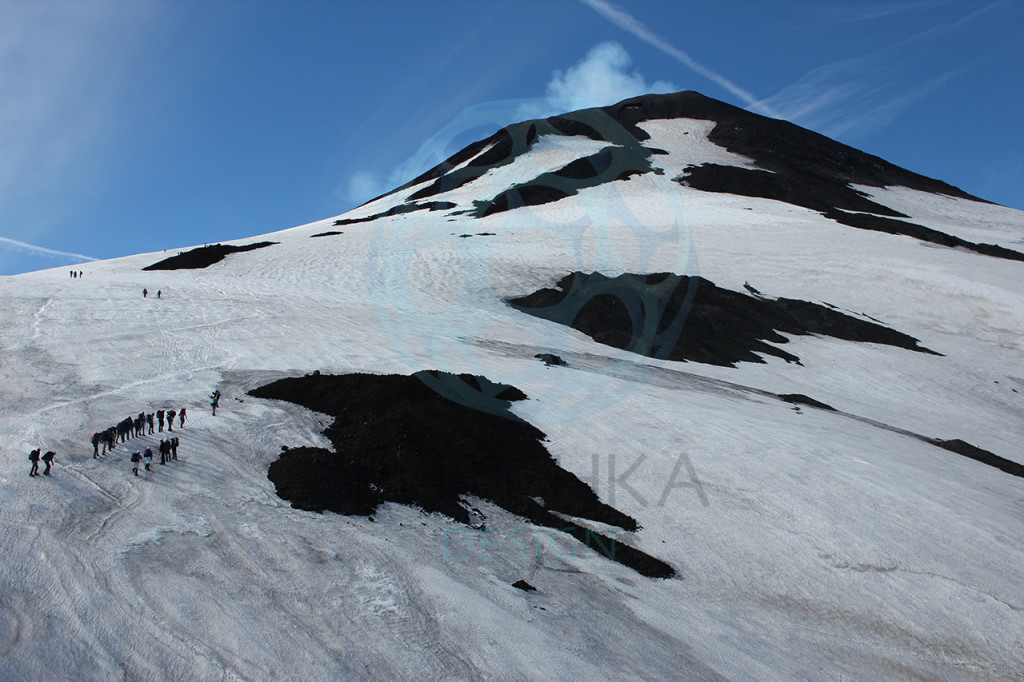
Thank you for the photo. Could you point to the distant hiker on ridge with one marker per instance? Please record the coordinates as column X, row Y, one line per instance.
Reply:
column 34, row 458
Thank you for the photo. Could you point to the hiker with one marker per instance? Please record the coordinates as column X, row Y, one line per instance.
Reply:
column 149, row 458
column 181, row 418
column 163, row 452
column 34, row 458
column 214, row 401
column 145, row 293
column 158, row 293
column 136, row 458
column 170, row 420
column 174, row 448
column 48, row 458
column 160, row 419
column 149, row 420
column 96, row 445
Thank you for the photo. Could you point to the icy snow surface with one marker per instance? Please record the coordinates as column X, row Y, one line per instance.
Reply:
column 809, row 544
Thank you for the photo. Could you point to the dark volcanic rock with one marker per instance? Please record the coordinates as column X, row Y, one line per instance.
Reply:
column 801, row 399
column 689, row 318
column 524, row 586
column 399, row 210
column 329, row 233
column 925, row 234
column 203, row 257
column 778, row 146
column 429, row 440
column 964, row 448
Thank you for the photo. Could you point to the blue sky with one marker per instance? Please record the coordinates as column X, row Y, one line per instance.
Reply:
column 140, row 125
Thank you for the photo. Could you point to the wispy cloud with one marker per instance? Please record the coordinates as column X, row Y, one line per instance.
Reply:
column 60, row 79
column 858, row 96
column 628, row 23
column 15, row 245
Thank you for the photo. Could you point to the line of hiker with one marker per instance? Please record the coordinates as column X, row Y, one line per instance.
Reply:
column 131, row 427
column 168, row 453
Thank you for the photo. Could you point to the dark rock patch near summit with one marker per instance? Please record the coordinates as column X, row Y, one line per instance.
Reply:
column 203, row 257
column 833, row 199
column 611, row 164
column 430, row 440
column 684, row 318
column 775, row 145
column 400, row 209
column 925, row 234
column 797, row 188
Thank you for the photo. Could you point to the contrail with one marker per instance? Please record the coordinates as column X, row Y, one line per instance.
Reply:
column 22, row 246
column 628, row 23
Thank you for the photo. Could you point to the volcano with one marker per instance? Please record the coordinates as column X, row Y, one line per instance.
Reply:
column 664, row 389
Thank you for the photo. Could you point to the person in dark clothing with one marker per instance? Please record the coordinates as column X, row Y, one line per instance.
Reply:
column 214, row 401
column 48, row 459
column 149, row 421
column 160, row 419
column 149, row 458
column 163, row 452
column 34, row 458
column 95, row 445
column 174, row 448
column 181, row 418
column 170, row 419
column 158, row 292
column 145, row 293
column 136, row 458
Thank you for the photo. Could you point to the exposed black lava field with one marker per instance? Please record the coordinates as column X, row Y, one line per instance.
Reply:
column 676, row 317
column 430, row 440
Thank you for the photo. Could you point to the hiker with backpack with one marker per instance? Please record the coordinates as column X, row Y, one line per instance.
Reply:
column 149, row 458
column 48, row 459
column 181, row 418
column 136, row 458
column 170, row 420
column 34, row 458
column 214, row 401
column 95, row 445
column 174, row 448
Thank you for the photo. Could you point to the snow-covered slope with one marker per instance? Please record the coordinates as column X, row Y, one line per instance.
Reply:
column 806, row 542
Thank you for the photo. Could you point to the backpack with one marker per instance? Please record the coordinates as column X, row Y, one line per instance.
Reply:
column 136, row 457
